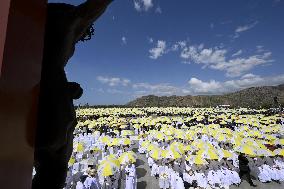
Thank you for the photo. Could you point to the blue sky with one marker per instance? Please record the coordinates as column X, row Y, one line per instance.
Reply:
column 182, row 47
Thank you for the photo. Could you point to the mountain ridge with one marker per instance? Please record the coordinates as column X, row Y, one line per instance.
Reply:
column 254, row 97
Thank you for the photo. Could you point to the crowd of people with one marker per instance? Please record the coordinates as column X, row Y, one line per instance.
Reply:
column 184, row 147
column 208, row 165
column 101, row 161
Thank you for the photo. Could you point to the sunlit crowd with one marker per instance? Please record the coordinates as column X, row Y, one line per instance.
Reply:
column 184, row 147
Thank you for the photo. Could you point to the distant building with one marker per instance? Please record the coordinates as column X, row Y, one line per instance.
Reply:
column 224, row 106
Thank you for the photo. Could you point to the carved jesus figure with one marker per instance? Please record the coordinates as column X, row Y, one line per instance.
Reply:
column 65, row 26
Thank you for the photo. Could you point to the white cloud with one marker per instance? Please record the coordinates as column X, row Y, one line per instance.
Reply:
column 158, row 10
column 201, row 55
column 115, row 91
column 194, row 86
column 259, row 48
column 215, row 58
column 159, row 50
column 239, row 52
column 137, row 6
column 113, row 81
column 143, row 5
column 124, row 40
column 197, row 86
column 151, row 40
column 162, row 89
column 212, row 25
column 178, row 45
column 243, row 28
column 237, row 67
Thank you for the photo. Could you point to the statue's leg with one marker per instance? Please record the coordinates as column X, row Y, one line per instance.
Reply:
column 52, row 165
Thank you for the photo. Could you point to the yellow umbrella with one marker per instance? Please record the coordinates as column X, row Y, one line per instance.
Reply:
column 123, row 126
column 127, row 132
column 127, row 157
column 168, row 131
column 115, row 142
column 210, row 153
column 96, row 149
column 96, row 133
column 198, row 160
column 105, row 139
column 187, row 148
column 151, row 147
column 172, row 154
column 281, row 141
column 279, row 152
column 177, row 146
column 108, row 167
column 71, row 161
column 126, row 141
column 184, row 127
column 136, row 126
column 227, row 154
column 237, row 140
column 156, row 153
column 179, row 134
column 145, row 144
column 198, row 143
column 159, row 136
column 255, row 134
column 222, row 137
column 270, row 137
column 80, row 147
column 111, row 156
column 265, row 152
column 246, row 149
column 167, row 138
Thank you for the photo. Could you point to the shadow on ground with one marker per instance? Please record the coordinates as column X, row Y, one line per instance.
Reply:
column 139, row 162
column 141, row 185
column 135, row 150
column 141, row 172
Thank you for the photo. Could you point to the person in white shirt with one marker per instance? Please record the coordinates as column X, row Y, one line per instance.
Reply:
column 75, row 168
column 225, row 179
column 187, row 166
column 177, row 166
column 119, row 152
column 150, row 162
column 263, row 175
column 91, row 181
column 176, row 181
column 280, row 172
column 115, row 180
column 212, row 178
column 111, row 150
column 80, row 184
column 173, row 178
column 107, row 183
column 131, row 182
column 155, row 170
column 201, row 179
column 164, row 177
